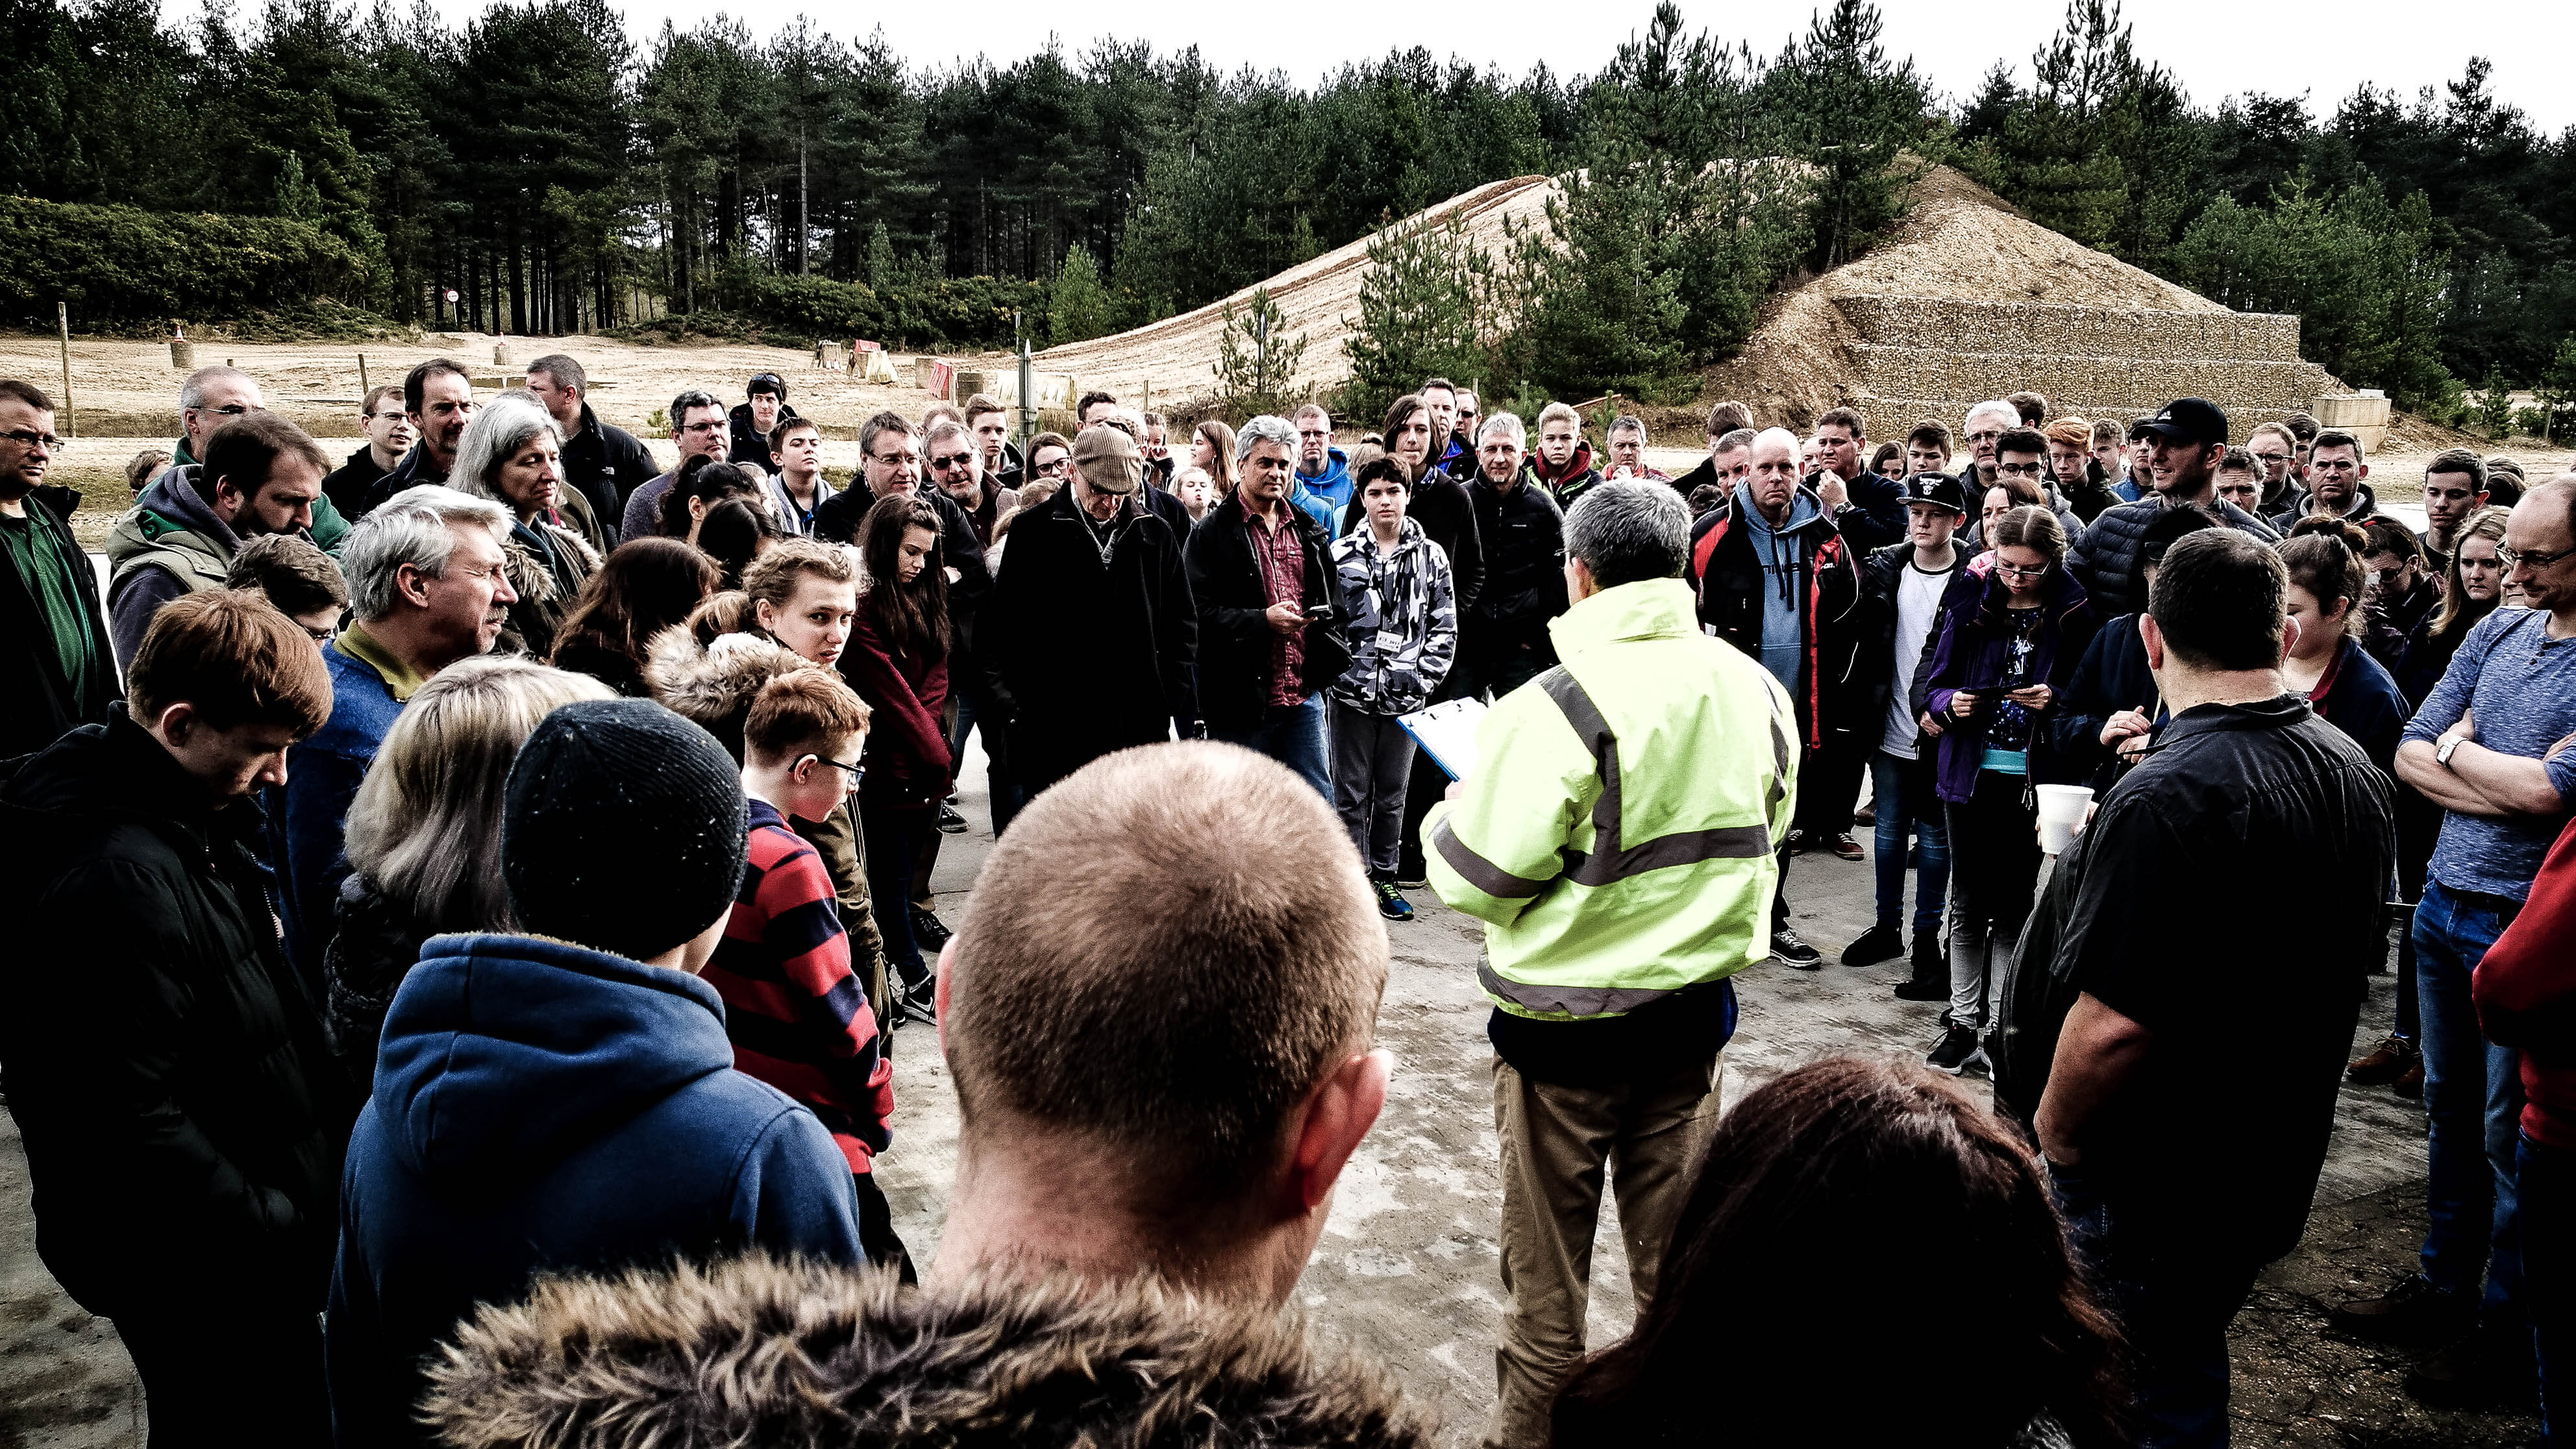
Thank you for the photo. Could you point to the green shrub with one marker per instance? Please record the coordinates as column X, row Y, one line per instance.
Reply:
column 118, row 264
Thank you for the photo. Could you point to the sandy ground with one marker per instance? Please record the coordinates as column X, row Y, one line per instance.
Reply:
column 1406, row 1269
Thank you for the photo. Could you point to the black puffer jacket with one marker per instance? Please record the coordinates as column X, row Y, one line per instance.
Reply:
column 746, row 444
column 1523, row 535
column 167, row 1068
column 2105, row 558
column 1874, row 624
column 1235, row 638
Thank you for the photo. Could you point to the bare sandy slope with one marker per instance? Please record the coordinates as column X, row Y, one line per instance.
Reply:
column 1318, row 299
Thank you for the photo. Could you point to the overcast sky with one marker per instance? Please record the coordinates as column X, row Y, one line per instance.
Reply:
column 2218, row 47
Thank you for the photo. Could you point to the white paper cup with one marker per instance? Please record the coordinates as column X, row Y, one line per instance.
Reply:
column 2061, row 809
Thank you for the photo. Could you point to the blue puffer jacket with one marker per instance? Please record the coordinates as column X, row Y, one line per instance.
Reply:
column 1403, row 620
column 540, row 1107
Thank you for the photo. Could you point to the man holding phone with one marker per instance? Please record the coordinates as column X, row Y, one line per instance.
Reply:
column 1270, row 619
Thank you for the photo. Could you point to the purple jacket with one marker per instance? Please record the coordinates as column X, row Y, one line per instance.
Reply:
column 1972, row 657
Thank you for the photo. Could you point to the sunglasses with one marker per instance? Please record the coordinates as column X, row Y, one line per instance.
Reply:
column 953, row 460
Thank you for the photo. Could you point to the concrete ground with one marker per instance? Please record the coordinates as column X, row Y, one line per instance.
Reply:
column 1406, row 1269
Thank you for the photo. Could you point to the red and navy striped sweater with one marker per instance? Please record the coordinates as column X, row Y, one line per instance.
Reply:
column 798, row 1018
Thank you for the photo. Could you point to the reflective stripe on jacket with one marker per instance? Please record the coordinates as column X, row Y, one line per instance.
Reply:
column 1616, row 835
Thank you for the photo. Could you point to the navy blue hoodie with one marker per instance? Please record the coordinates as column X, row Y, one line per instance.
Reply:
column 544, row 1107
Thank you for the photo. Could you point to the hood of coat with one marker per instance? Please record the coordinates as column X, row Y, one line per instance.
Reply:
column 1805, row 510
column 754, row 1351
column 171, row 505
column 501, row 1053
column 1575, row 466
column 712, row 685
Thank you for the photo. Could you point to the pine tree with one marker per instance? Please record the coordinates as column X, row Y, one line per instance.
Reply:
column 880, row 274
column 2495, row 406
column 1078, row 306
column 1256, row 360
column 1422, row 307
column 1852, row 112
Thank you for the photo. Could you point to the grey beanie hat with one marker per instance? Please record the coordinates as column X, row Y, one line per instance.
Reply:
column 623, row 828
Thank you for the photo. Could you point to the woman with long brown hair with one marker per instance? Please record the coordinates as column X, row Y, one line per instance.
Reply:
column 898, row 662
column 1785, row 1247
column 1212, row 448
column 646, row 586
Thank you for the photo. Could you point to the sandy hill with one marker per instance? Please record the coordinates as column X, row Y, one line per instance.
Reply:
column 1320, row 298
column 1967, row 300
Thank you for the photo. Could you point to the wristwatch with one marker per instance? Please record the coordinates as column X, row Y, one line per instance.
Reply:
column 2442, row 754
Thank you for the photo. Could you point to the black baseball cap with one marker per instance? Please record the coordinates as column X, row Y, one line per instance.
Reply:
column 768, row 382
column 2184, row 420
column 1941, row 490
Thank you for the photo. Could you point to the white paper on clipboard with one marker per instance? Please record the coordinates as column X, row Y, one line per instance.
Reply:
column 1447, row 730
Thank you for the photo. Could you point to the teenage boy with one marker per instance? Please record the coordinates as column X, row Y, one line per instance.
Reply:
column 1404, row 635
column 797, row 1015
column 1901, row 587
column 565, row 1101
column 796, row 486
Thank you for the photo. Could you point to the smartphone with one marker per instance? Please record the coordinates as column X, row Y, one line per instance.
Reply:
column 1317, row 612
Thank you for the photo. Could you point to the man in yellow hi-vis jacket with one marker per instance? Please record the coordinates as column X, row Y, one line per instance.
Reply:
column 1616, row 837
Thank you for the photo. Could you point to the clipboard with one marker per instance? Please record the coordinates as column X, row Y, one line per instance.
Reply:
column 1447, row 732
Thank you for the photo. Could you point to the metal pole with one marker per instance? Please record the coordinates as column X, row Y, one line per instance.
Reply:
column 63, row 316
column 364, row 387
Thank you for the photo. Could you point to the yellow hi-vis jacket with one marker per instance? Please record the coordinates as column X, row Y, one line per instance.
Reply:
column 1616, row 836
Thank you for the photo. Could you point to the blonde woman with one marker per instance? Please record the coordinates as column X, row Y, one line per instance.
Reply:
column 424, row 840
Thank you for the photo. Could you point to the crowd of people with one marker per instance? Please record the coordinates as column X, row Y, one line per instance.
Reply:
column 471, row 893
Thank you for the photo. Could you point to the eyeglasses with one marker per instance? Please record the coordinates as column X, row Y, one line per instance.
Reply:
column 2521, row 558
column 2018, row 470
column 322, row 636
column 2015, row 571
column 708, row 426
column 1985, row 435
column 953, row 460
column 1057, row 468
column 854, row 772
column 33, row 439
column 889, row 460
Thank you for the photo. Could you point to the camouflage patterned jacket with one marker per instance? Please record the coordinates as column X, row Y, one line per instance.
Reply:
column 1404, row 620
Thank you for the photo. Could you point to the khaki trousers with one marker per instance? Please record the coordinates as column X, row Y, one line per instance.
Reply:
column 1557, row 1141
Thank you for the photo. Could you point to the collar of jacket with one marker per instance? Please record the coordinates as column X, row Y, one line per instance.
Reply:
column 1363, row 539
column 1647, row 609
column 118, row 769
column 401, row 681
column 2202, row 719
column 1289, row 516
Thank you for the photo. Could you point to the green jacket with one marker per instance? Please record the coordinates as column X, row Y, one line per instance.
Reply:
column 1617, row 833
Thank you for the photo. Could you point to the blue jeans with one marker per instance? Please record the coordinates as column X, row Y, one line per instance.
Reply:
column 2545, row 1184
column 2472, row 1107
column 1901, row 797
column 2174, row 1308
column 1292, row 734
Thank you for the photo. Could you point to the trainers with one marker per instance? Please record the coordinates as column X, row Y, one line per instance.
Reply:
column 928, row 931
column 1881, row 942
column 1957, row 1048
column 1391, row 902
column 950, row 822
column 1844, row 846
column 2413, row 1311
column 1799, row 841
column 920, row 1001
column 1793, row 950
column 2410, row 1082
column 1865, row 815
column 1418, row 881
column 2489, row 1368
column 2386, row 1062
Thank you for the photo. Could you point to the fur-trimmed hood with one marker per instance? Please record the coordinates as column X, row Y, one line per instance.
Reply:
column 713, row 684
column 755, row 1351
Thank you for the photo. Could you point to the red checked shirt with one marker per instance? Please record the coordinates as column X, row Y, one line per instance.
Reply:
column 1282, row 561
